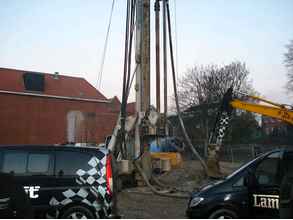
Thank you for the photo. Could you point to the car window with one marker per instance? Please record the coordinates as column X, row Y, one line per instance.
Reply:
column 239, row 182
column 288, row 164
column 241, row 168
column 14, row 162
column 1, row 159
column 38, row 163
column 68, row 163
column 267, row 171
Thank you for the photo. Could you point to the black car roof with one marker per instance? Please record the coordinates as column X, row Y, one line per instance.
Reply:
column 282, row 149
column 285, row 149
column 49, row 147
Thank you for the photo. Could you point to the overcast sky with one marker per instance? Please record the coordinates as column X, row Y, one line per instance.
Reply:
column 68, row 36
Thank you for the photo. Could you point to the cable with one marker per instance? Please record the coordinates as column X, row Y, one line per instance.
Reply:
column 131, row 81
column 98, row 85
column 123, row 103
column 176, row 38
column 130, row 22
column 132, row 26
column 176, row 96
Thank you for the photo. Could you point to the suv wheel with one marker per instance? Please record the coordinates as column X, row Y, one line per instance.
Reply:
column 77, row 212
column 223, row 213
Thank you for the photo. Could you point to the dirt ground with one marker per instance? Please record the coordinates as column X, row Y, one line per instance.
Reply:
column 138, row 205
column 140, row 202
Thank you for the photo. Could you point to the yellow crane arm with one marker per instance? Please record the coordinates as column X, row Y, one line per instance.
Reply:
column 281, row 113
column 274, row 110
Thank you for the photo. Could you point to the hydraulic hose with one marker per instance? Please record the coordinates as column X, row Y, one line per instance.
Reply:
column 153, row 189
column 123, row 103
column 127, row 68
column 187, row 139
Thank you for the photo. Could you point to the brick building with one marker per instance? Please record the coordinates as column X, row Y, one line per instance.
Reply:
column 270, row 125
column 42, row 108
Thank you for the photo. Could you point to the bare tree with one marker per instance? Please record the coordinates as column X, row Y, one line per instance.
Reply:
column 289, row 64
column 200, row 93
column 201, row 90
column 207, row 84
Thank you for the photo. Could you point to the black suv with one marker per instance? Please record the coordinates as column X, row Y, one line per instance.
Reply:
column 252, row 191
column 62, row 181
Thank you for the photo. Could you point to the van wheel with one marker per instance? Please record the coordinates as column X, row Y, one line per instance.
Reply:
column 77, row 212
column 223, row 213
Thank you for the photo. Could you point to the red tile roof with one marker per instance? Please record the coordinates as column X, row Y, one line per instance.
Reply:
column 12, row 80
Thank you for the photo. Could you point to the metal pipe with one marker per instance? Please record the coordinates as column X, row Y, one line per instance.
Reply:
column 138, row 90
column 145, row 55
column 158, row 82
column 165, row 64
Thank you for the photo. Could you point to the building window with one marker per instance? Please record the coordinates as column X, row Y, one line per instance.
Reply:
column 74, row 126
column 81, row 127
column 34, row 82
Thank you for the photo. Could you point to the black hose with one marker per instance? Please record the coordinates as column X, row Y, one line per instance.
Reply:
column 123, row 103
column 154, row 190
column 130, row 46
column 187, row 139
column 127, row 68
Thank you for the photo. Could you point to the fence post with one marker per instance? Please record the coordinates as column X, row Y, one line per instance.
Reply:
column 205, row 149
column 253, row 151
column 232, row 158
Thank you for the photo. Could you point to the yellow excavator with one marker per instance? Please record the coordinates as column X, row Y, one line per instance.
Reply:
column 231, row 102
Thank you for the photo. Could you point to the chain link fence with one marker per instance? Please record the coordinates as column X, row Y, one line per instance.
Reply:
column 244, row 153
column 237, row 153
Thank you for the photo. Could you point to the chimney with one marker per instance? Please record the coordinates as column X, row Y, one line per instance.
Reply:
column 56, row 75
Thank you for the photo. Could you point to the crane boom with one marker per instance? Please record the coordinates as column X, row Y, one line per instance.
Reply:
column 229, row 103
column 281, row 113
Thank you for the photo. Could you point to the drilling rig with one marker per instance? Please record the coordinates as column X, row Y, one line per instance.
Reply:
column 131, row 136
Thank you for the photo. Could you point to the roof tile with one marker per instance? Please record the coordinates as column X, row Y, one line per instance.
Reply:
column 12, row 80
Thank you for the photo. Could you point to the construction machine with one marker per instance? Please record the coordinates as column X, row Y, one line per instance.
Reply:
column 250, row 103
column 133, row 134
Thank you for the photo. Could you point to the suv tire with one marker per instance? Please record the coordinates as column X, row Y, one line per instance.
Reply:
column 223, row 213
column 77, row 212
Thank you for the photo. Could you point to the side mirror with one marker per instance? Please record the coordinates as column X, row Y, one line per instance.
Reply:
column 60, row 173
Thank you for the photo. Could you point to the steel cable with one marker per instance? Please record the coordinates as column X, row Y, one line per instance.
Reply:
column 187, row 139
column 100, row 75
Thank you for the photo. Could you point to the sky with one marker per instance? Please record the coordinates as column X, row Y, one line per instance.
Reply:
column 67, row 36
